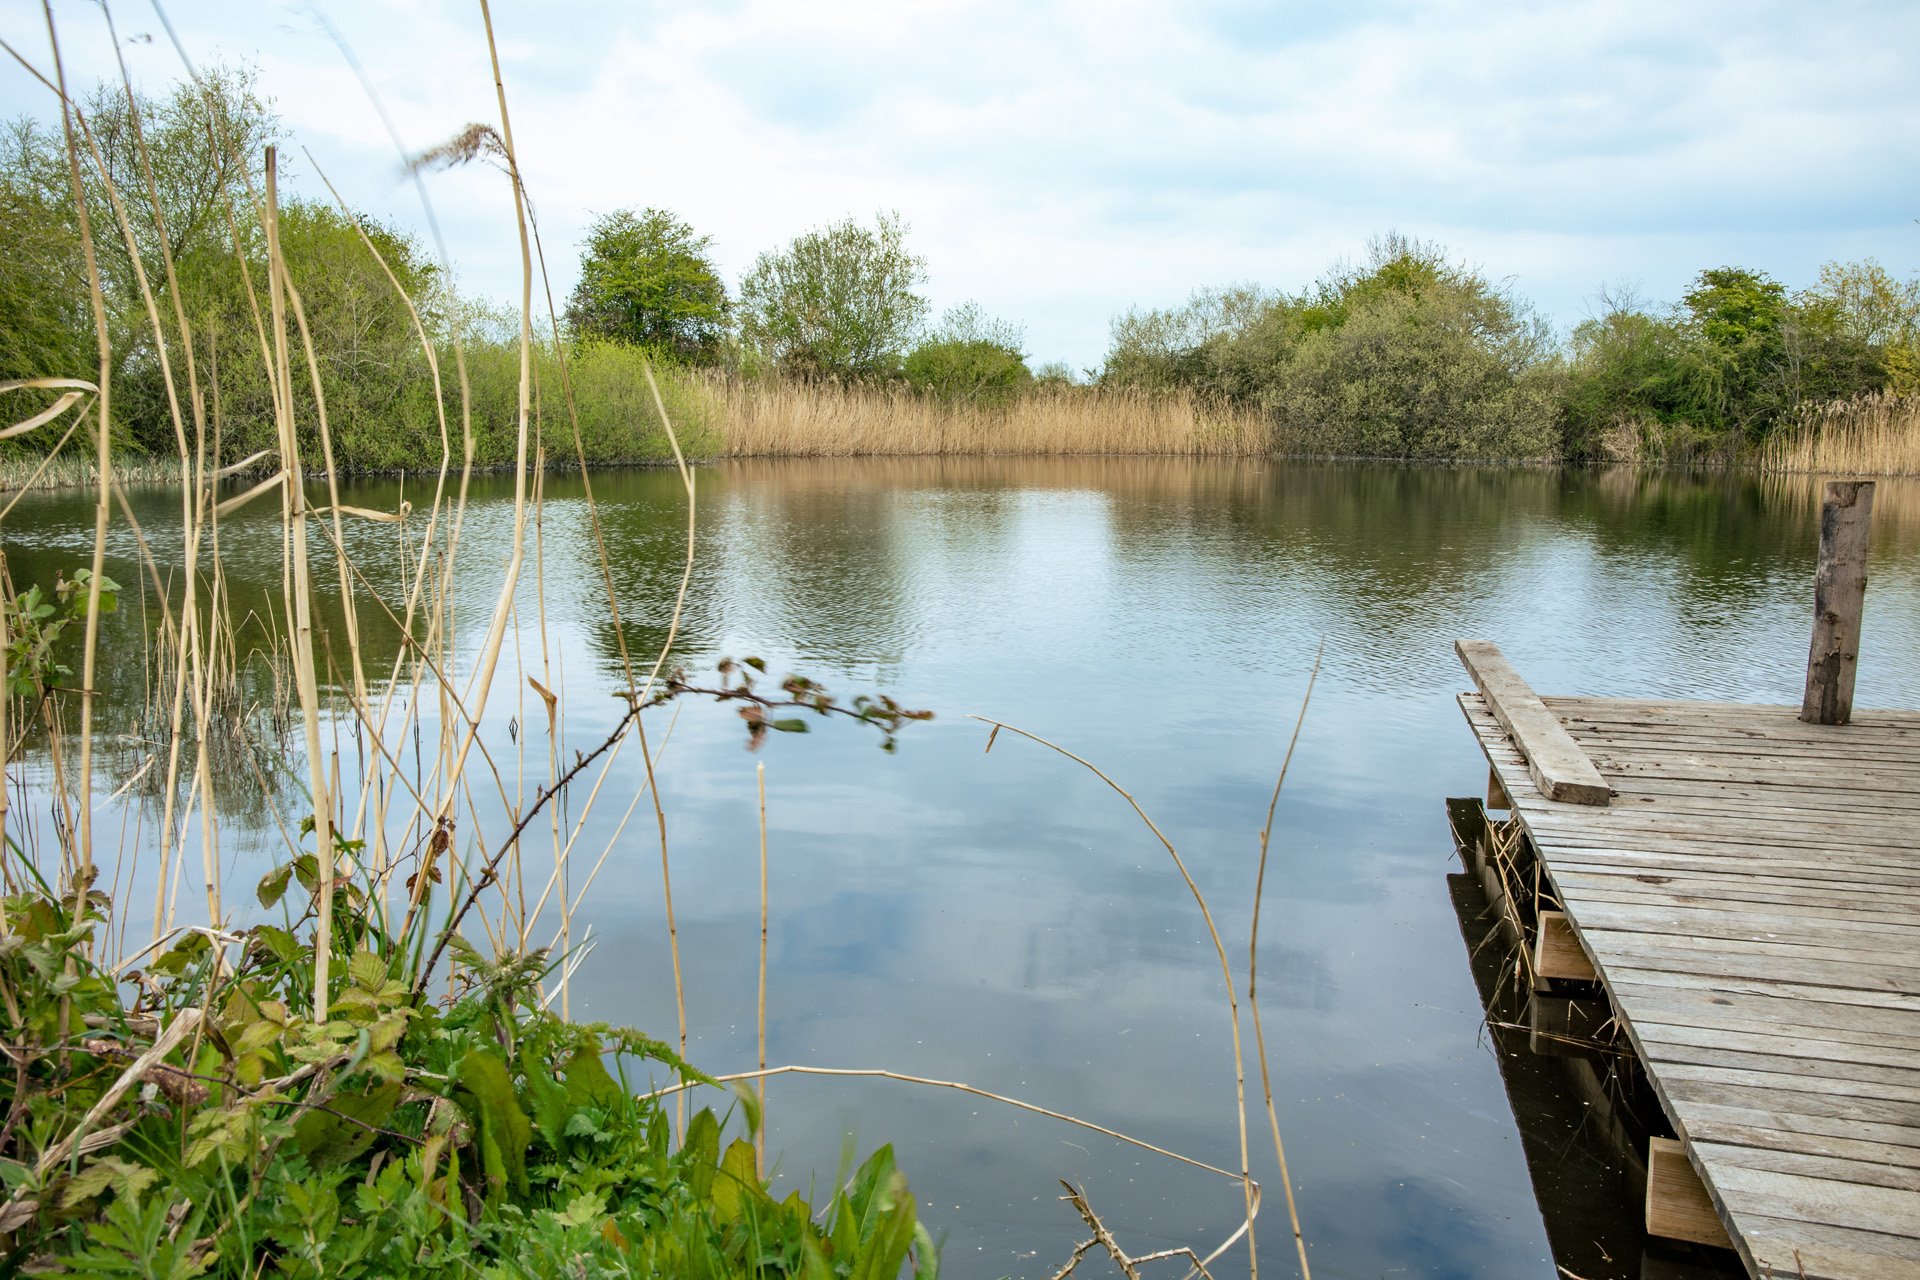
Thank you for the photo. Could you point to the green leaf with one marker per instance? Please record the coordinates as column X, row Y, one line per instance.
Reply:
column 926, row 1254
column 749, row 1103
column 343, row 1132
column 588, row 1206
column 307, row 868
column 699, row 1152
column 505, row 1130
column 254, row 1037
column 273, row 885
column 789, row 726
column 278, row 943
column 127, row 1178
column 738, row 1181
column 588, row 1083
column 367, row 970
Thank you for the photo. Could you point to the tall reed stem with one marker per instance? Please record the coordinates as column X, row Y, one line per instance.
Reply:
column 298, row 587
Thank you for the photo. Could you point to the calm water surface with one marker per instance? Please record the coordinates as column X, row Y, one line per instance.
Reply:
column 1003, row 919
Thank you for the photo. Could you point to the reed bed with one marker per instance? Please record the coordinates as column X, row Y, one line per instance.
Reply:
column 773, row 418
column 1872, row 435
column 413, row 854
column 29, row 473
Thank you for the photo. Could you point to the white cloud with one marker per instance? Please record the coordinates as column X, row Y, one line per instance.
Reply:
column 1060, row 162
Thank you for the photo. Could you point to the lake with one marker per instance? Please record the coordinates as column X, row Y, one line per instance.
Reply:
column 1004, row 919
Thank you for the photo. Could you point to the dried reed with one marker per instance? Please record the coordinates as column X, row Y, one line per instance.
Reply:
column 1250, row 1188
column 1253, row 966
column 1875, row 434
column 775, row 418
column 417, row 809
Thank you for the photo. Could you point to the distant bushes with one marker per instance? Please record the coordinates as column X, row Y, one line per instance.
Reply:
column 1737, row 362
column 1414, row 356
column 1409, row 356
column 969, row 359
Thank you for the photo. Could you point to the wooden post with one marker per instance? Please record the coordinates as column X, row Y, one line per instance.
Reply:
column 1839, row 590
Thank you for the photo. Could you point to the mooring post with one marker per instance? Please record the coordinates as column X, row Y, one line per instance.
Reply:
column 1839, row 590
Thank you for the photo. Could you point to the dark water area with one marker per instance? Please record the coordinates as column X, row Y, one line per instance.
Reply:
column 1004, row 919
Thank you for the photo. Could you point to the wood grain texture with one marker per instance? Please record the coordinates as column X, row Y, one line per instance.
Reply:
column 1558, row 767
column 1839, row 594
column 1750, row 899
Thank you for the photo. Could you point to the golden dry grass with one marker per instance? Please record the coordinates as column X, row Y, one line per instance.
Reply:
column 72, row 471
column 1869, row 435
column 784, row 419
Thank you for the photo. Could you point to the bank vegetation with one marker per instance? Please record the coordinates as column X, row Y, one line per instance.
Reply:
column 827, row 349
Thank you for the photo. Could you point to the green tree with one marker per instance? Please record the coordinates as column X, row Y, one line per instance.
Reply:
column 1740, row 318
column 1629, row 373
column 1870, row 307
column 203, row 144
column 46, row 326
column 646, row 279
column 1405, row 355
column 1187, row 346
column 841, row 301
column 970, row 358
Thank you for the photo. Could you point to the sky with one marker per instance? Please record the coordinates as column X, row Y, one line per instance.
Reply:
column 1060, row 163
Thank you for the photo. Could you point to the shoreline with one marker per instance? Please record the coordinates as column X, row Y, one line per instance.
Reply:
column 145, row 472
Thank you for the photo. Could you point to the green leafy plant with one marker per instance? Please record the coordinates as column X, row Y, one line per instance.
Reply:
column 399, row 1137
column 37, row 622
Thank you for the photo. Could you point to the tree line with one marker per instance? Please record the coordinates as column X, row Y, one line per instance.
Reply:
column 1412, row 354
column 1408, row 353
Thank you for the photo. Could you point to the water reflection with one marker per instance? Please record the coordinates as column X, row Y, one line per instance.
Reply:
column 1003, row 919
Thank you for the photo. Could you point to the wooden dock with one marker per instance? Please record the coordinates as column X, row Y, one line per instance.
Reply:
column 1744, row 883
column 1748, row 894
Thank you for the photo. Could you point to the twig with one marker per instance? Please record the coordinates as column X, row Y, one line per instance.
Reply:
column 1250, row 1188
column 20, row 1202
column 1253, row 967
column 876, row 1073
column 1100, row 1232
column 760, row 1020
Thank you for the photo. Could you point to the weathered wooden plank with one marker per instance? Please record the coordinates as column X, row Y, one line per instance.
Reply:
column 1556, row 951
column 1885, row 843
column 1797, row 991
column 1685, row 1083
column 1678, row 1207
column 1789, row 1044
column 1837, row 966
column 1838, row 977
column 1747, row 921
column 1761, row 1016
column 1689, row 893
column 1705, row 1116
column 1771, row 778
column 1665, row 856
column 1839, row 593
column 1751, row 898
column 1763, row 1071
column 1873, row 1173
column 1741, row 717
column 1714, row 740
column 1839, row 1204
column 1694, row 711
column 1555, row 762
column 1703, row 1130
column 1674, row 740
column 1564, row 843
column 1787, row 1250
